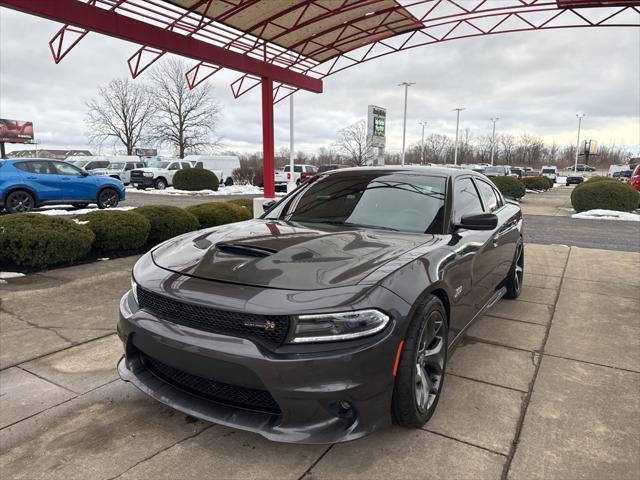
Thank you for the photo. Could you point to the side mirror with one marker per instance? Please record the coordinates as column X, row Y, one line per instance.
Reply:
column 268, row 205
column 479, row 221
column 84, row 173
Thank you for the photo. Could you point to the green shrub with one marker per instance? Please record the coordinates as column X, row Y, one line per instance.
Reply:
column 509, row 186
column 218, row 213
column 35, row 240
column 243, row 202
column 612, row 195
column 167, row 222
column 550, row 182
column 592, row 180
column 195, row 179
column 537, row 183
column 117, row 230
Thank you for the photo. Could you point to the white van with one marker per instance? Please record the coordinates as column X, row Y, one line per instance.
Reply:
column 622, row 167
column 549, row 171
column 222, row 165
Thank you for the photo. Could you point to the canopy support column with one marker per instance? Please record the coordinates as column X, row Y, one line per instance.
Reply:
column 268, row 166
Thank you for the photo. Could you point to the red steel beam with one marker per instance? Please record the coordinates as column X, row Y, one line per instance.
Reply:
column 102, row 21
column 268, row 143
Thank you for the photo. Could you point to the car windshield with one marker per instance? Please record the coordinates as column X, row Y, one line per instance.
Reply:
column 384, row 200
column 494, row 171
column 80, row 163
column 115, row 166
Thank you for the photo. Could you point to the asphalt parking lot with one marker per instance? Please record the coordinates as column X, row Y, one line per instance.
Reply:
column 542, row 387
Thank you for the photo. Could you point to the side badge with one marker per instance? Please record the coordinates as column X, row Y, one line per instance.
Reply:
column 457, row 293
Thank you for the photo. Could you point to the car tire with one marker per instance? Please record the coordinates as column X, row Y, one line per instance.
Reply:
column 515, row 278
column 19, row 201
column 108, row 198
column 160, row 184
column 228, row 182
column 421, row 368
column 78, row 206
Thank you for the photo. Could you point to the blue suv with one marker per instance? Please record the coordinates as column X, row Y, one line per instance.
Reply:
column 27, row 183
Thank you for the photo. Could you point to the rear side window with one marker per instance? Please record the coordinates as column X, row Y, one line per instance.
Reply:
column 488, row 196
column 42, row 168
column 466, row 199
column 185, row 165
column 25, row 166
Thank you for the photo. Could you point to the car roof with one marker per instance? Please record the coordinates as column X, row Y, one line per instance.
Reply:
column 33, row 159
column 418, row 169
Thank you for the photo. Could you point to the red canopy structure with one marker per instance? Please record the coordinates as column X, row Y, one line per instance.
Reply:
column 287, row 45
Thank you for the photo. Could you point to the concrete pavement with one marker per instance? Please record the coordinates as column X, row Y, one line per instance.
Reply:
column 542, row 387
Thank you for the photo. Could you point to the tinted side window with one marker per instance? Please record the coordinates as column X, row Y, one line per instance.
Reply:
column 43, row 168
column 174, row 166
column 25, row 166
column 185, row 165
column 128, row 166
column 488, row 196
column 297, row 169
column 466, row 200
column 66, row 169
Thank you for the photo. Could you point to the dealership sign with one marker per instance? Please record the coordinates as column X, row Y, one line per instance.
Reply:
column 16, row 131
column 376, row 125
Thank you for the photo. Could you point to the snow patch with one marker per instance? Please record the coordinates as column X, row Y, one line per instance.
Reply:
column 230, row 190
column 8, row 275
column 81, row 211
column 601, row 214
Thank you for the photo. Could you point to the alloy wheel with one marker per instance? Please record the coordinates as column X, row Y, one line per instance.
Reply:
column 430, row 361
column 519, row 268
column 108, row 199
column 20, row 202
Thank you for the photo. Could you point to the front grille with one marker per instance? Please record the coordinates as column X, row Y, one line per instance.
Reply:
column 137, row 174
column 241, row 397
column 268, row 329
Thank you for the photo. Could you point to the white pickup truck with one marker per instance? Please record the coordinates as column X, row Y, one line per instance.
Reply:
column 300, row 174
column 160, row 176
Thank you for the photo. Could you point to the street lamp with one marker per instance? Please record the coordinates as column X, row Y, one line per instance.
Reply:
column 291, row 184
column 424, row 124
column 455, row 150
column 580, row 116
column 493, row 137
column 404, row 122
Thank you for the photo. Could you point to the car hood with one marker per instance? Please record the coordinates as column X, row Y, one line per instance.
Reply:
column 285, row 255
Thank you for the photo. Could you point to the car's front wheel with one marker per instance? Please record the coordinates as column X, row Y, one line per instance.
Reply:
column 160, row 184
column 19, row 201
column 422, row 364
column 108, row 198
column 515, row 278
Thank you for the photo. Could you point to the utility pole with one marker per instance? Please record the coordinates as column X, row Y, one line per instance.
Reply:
column 455, row 150
column 291, row 184
column 404, row 122
column 424, row 124
column 493, row 137
column 580, row 117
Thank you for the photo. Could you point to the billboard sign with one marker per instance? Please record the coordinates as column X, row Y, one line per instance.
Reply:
column 376, row 126
column 16, row 131
column 146, row 152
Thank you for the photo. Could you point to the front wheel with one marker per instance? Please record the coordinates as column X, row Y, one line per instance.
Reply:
column 108, row 198
column 160, row 184
column 19, row 201
column 421, row 369
column 515, row 278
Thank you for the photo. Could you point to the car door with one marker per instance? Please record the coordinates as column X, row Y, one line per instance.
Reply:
column 505, row 237
column 474, row 256
column 126, row 173
column 75, row 184
column 42, row 175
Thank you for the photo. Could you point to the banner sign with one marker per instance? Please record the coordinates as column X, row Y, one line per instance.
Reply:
column 16, row 131
column 146, row 152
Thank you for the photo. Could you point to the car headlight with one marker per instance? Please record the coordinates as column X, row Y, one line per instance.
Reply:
column 148, row 174
column 134, row 289
column 329, row 327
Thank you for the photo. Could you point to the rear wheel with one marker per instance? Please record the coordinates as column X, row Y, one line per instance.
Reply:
column 19, row 201
column 422, row 365
column 160, row 184
column 515, row 278
column 108, row 198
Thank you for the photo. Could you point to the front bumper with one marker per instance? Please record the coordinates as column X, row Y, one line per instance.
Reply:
column 308, row 382
column 142, row 182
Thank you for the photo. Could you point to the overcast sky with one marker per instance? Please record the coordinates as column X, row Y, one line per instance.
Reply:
column 534, row 81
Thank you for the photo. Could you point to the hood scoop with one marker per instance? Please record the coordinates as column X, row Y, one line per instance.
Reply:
column 244, row 249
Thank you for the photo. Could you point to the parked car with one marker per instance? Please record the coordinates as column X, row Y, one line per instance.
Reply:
column 581, row 167
column 89, row 165
column 300, row 174
column 329, row 167
column 574, row 179
column 613, row 169
column 498, row 171
column 531, row 173
column 549, row 171
column 333, row 313
column 119, row 170
column 159, row 176
column 634, row 181
column 28, row 183
column 623, row 175
column 222, row 165
column 517, row 171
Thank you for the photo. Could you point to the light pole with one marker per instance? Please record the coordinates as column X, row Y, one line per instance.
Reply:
column 580, row 117
column 424, row 124
column 404, row 122
column 455, row 149
column 493, row 137
column 291, row 184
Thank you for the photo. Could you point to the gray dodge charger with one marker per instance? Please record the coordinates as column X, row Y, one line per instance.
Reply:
column 331, row 316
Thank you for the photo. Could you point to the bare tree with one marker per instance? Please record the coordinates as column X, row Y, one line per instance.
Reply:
column 353, row 142
column 121, row 113
column 436, row 146
column 185, row 118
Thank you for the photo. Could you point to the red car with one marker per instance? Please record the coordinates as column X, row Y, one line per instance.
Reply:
column 634, row 181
